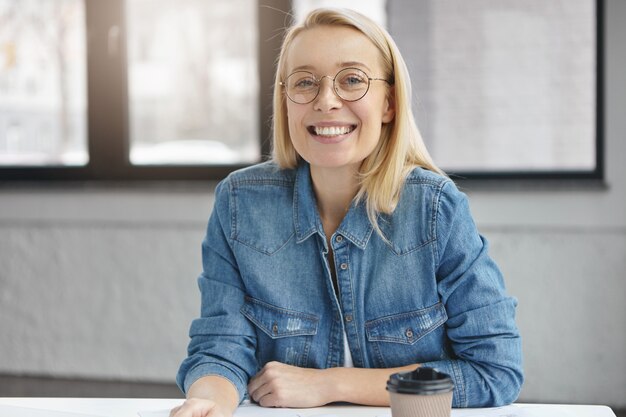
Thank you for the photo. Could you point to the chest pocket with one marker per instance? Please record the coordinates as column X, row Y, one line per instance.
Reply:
column 283, row 335
column 258, row 215
column 407, row 338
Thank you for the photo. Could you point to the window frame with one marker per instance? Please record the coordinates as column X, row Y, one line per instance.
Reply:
column 107, row 94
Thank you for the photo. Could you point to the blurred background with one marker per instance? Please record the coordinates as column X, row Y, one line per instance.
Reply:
column 118, row 118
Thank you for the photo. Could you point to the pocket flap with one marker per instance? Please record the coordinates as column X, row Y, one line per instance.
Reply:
column 278, row 322
column 406, row 328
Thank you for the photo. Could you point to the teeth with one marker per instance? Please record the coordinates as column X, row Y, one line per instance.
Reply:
column 332, row 130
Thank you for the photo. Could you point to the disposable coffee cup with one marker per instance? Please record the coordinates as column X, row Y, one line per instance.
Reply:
column 423, row 392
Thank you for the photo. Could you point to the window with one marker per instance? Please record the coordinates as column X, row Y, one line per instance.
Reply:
column 374, row 9
column 160, row 89
column 501, row 89
column 43, row 85
column 193, row 83
column 165, row 89
column 506, row 89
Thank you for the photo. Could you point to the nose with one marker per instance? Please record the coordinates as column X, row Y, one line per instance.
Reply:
column 327, row 98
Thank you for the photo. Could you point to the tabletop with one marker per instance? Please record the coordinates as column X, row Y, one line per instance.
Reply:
column 143, row 407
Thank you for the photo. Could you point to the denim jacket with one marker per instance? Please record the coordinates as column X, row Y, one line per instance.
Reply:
column 428, row 293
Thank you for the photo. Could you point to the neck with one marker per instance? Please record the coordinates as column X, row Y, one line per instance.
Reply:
column 334, row 189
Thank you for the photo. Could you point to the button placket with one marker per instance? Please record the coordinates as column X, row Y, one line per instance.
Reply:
column 341, row 249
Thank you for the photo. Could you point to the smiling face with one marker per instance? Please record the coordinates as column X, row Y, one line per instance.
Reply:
column 330, row 132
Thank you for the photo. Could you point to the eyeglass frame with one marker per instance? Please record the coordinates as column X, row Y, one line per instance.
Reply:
column 318, row 81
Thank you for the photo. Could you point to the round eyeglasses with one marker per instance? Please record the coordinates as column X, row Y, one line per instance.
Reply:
column 350, row 84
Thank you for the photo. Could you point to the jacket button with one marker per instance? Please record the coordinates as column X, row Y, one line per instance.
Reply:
column 343, row 266
column 339, row 239
column 348, row 318
column 275, row 328
column 409, row 333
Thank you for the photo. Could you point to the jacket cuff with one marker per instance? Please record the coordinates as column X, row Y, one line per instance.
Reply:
column 215, row 369
column 452, row 368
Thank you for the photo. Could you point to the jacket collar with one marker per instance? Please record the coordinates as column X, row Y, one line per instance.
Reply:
column 355, row 227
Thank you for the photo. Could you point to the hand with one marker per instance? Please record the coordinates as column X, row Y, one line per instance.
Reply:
column 196, row 407
column 280, row 385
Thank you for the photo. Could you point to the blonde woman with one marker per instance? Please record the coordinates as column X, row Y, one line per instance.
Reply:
column 349, row 256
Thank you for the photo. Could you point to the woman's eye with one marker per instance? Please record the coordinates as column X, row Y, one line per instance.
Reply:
column 353, row 81
column 304, row 84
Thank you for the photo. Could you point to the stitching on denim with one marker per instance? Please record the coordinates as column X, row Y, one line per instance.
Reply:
column 232, row 210
column 307, row 347
column 360, row 243
column 235, row 372
column 235, row 232
column 272, row 335
column 394, row 317
column 281, row 310
column 379, row 355
column 409, row 251
column 263, row 250
column 331, row 347
column 416, row 314
column 354, row 315
column 264, row 173
column 403, row 341
column 300, row 235
column 438, row 186
column 387, row 241
column 428, row 181
column 458, row 376
column 282, row 182
column 435, row 234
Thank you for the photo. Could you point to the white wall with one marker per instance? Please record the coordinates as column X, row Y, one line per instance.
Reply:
column 564, row 256
column 99, row 282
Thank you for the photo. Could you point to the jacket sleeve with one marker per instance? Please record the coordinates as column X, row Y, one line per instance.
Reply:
column 485, row 342
column 223, row 342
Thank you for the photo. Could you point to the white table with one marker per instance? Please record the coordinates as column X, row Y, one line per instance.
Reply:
column 125, row 407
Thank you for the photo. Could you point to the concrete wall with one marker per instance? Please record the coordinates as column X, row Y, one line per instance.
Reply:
column 99, row 282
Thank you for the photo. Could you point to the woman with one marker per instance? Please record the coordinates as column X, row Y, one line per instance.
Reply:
column 349, row 256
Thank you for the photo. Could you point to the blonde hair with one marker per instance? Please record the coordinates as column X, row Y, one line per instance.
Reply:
column 400, row 148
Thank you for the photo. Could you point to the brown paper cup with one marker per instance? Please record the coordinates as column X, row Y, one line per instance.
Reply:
column 415, row 405
column 424, row 392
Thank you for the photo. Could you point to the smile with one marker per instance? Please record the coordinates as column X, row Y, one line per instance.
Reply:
column 330, row 131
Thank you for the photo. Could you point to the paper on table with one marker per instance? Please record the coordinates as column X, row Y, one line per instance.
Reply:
column 508, row 411
column 13, row 411
column 244, row 410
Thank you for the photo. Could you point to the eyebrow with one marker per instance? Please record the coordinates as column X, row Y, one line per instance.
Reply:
column 346, row 64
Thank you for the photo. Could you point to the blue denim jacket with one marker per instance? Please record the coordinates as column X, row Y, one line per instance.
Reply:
column 429, row 293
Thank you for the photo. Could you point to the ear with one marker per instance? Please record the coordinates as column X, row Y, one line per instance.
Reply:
column 389, row 110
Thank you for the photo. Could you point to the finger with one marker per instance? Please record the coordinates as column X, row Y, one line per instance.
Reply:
column 194, row 407
column 270, row 400
column 254, row 384
column 258, row 380
column 261, row 391
column 174, row 410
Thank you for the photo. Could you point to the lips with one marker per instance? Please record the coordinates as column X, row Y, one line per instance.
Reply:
column 330, row 131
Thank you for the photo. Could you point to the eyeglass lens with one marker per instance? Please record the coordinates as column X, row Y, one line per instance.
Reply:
column 350, row 84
